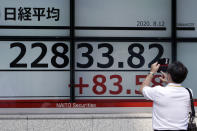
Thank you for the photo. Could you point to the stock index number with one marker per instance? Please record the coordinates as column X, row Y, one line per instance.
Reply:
column 37, row 62
column 135, row 51
column 91, row 59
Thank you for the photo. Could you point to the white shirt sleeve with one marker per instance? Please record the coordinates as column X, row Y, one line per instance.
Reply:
column 150, row 92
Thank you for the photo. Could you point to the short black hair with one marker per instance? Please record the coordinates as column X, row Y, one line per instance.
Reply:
column 177, row 71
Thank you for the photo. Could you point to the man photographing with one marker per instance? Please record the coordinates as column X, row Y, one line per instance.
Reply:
column 171, row 103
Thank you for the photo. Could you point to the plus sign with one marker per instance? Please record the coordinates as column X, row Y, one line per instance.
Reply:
column 80, row 85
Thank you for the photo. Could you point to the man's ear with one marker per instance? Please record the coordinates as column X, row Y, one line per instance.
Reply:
column 169, row 78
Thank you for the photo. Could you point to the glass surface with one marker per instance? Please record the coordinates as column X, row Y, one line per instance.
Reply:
column 34, row 72
column 142, row 18
column 51, row 14
column 186, row 18
column 186, row 53
column 115, row 70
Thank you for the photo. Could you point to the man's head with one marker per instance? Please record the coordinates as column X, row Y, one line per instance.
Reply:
column 178, row 72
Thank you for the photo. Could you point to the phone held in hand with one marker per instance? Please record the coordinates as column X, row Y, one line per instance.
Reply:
column 163, row 64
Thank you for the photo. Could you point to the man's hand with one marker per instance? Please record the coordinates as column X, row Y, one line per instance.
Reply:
column 154, row 67
column 164, row 77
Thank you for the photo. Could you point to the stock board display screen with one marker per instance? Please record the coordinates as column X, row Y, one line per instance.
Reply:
column 186, row 51
column 34, row 70
column 105, row 70
column 123, row 18
column 187, row 54
column 34, row 18
column 186, row 18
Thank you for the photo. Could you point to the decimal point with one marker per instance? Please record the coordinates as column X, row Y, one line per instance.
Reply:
column 120, row 64
column 128, row 91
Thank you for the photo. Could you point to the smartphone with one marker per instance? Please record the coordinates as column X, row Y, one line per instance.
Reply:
column 163, row 64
